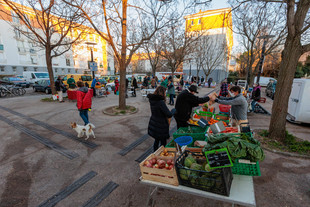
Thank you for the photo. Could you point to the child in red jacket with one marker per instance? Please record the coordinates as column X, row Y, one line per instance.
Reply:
column 84, row 101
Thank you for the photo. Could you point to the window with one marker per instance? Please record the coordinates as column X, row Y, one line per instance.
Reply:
column 192, row 22
column 199, row 21
column 2, row 68
column 35, row 69
column 1, row 47
column 17, row 33
column 32, row 51
column 33, row 76
column 14, row 68
column 25, row 68
column 86, row 78
column 15, row 17
column 69, row 70
column 62, row 69
column 68, row 62
column 55, row 70
column 76, row 70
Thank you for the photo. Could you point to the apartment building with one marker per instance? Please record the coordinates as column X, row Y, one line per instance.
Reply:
column 215, row 30
column 19, row 54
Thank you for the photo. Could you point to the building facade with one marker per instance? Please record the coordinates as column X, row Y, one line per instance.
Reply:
column 215, row 42
column 19, row 54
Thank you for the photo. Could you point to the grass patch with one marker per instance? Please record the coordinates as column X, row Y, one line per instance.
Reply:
column 290, row 144
column 123, row 112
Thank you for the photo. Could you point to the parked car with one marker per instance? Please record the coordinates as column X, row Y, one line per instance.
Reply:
column 15, row 81
column 271, row 89
column 263, row 81
column 32, row 76
column 83, row 77
column 44, row 86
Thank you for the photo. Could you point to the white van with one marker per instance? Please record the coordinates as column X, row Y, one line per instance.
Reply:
column 32, row 76
column 299, row 102
column 263, row 81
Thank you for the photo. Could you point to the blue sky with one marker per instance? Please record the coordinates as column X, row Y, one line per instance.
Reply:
column 218, row 4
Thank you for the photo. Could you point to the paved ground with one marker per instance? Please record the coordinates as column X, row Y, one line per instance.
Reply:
column 30, row 173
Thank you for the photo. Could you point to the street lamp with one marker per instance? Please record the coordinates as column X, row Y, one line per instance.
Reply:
column 261, row 61
column 91, row 45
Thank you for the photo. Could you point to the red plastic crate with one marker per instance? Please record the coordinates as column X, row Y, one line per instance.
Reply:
column 224, row 108
column 262, row 100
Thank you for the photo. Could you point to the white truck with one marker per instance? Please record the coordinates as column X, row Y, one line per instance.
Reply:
column 32, row 76
column 299, row 102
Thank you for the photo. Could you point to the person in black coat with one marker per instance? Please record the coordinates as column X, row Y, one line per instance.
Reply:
column 134, row 84
column 185, row 102
column 159, row 124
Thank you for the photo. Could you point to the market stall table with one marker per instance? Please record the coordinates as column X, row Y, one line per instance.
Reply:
column 241, row 192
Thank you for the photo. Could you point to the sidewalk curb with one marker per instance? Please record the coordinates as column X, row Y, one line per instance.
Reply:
column 286, row 153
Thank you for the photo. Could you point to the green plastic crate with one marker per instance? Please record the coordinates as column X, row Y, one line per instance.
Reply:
column 198, row 133
column 246, row 169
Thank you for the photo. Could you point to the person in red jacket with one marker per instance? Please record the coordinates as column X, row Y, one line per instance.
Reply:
column 116, row 82
column 84, row 101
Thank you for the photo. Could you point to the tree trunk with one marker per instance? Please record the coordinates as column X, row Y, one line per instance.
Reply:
column 49, row 66
column 290, row 57
column 122, row 71
column 252, row 76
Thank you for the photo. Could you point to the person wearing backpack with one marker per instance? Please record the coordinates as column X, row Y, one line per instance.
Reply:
column 84, row 101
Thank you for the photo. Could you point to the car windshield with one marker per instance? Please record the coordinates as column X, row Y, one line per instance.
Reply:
column 15, row 79
column 42, row 75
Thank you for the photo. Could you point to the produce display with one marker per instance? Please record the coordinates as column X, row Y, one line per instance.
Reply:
column 213, row 121
column 166, row 153
column 238, row 146
column 228, row 130
column 193, row 171
column 192, row 122
column 159, row 163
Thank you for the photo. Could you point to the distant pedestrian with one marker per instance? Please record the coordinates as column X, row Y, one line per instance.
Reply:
column 59, row 88
column 116, row 83
column 71, row 82
column 127, row 83
column 153, row 83
column 256, row 94
column 209, row 82
column 202, row 80
column 93, row 85
column 224, row 89
column 134, row 85
column 158, row 127
column 171, row 92
column 84, row 102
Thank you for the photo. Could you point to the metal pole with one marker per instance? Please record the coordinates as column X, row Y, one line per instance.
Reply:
column 92, row 60
column 261, row 61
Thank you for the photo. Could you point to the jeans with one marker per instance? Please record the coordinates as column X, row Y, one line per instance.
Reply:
column 253, row 103
column 84, row 115
column 158, row 143
column 171, row 99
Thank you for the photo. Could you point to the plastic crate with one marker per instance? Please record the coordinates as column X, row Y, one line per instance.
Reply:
column 242, row 168
column 205, row 115
column 224, row 108
column 216, row 181
column 198, row 133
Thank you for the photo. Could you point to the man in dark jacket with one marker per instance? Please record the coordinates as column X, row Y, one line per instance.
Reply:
column 59, row 88
column 185, row 102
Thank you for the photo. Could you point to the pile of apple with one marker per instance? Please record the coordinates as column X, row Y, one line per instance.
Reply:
column 160, row 164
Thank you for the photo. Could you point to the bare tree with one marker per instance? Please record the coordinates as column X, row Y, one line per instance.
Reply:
column 127, row 33
column 176, row 44
column 296, row 43
column 253, row 19
column 152, row 49
column 210, row 52
column 49, row 25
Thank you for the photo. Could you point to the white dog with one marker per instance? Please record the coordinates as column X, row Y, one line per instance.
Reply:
column 81, row 130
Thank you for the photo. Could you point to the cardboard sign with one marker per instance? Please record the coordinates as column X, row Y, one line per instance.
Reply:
column 203, row 123
column 218, row 158
column 217, row 127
